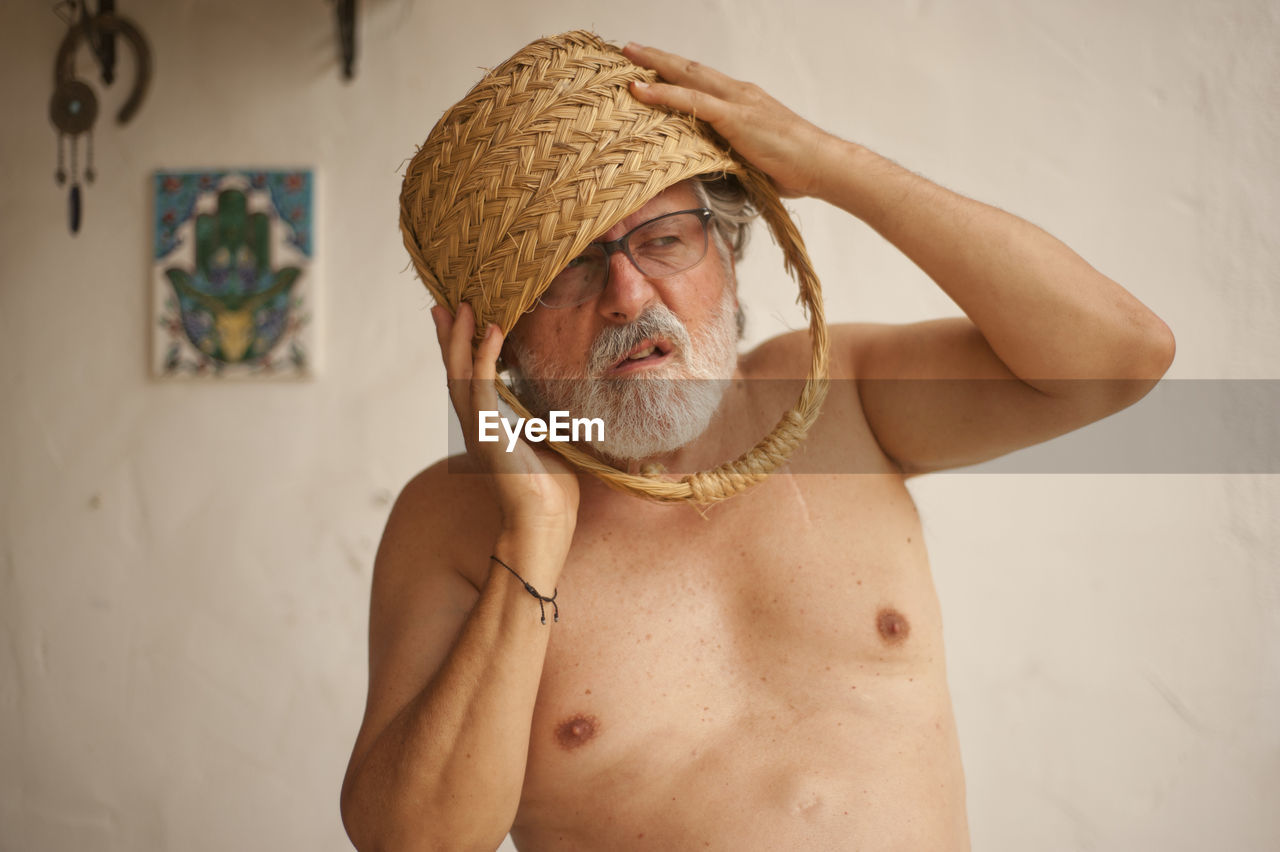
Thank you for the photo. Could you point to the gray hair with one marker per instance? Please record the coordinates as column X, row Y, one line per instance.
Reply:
column 732, row 215
column 724, row 196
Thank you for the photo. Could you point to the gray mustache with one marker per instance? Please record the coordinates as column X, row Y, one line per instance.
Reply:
column 616, row 341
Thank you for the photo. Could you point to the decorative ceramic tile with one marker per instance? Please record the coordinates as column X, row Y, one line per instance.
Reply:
column 232, row 274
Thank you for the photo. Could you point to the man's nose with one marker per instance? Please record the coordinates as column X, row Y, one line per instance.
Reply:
column 627, row 292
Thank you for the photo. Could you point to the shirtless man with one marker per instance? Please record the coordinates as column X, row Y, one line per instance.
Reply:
column 769, row 676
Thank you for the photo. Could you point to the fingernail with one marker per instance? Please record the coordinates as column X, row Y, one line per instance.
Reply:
column 490, row 331
column 640, row 84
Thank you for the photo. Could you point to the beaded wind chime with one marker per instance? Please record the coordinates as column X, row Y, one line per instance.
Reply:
column 73, row 109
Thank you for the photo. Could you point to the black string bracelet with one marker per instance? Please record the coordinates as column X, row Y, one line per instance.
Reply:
column 543, row 600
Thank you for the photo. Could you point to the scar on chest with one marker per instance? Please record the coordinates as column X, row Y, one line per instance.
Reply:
column 892, row 626
column 576, row 731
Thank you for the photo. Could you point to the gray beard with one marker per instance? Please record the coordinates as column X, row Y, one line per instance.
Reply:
column 652, row 414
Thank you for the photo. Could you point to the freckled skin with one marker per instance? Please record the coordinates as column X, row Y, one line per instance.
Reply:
column 576, row 731
column 893, row 626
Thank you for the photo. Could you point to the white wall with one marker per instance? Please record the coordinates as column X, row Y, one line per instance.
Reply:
column 185, row 567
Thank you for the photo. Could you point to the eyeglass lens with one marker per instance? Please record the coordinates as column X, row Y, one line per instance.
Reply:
column 659, row 248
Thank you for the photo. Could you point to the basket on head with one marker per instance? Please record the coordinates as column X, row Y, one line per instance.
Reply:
column 545, row 154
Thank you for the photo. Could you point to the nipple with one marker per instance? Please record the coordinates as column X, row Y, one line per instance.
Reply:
column 892, row 625
column 576, row 731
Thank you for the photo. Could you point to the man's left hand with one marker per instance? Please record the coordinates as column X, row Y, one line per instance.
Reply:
column 771, row 137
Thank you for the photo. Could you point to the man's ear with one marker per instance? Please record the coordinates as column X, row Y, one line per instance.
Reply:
column 507, row 358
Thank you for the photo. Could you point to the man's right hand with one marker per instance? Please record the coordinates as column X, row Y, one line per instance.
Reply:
column 456, row 645
column 536, row 491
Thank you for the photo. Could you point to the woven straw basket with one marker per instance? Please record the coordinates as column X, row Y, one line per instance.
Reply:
column 546, row 153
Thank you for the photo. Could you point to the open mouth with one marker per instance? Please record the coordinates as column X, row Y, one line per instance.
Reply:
column 648, row 353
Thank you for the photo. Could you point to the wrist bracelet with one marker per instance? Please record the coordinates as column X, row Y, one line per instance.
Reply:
column 543, row 600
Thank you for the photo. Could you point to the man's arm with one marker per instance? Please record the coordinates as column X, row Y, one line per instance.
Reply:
column 453, row 676
column 454, row 666
column 1038, row 315
column 1071, row 345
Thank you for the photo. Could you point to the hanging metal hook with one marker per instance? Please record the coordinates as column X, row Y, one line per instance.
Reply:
column 103, row 44
column 98, row 30
column 346, row 10
column 74, row 107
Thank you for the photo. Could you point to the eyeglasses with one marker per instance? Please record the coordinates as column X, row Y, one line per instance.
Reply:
column 659, row 248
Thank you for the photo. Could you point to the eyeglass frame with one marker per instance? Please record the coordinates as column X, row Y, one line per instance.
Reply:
column 623, row 244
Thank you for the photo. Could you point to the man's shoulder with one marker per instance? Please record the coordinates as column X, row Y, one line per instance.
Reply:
column 442, row 509
column 453, row 487
column 789, row 355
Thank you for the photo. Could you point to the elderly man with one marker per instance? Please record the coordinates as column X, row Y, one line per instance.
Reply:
column 769, row 675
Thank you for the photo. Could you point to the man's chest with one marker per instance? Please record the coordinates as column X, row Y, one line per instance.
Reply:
column 698, row 630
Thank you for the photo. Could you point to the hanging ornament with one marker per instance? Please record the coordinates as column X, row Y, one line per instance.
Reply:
column 74, row 107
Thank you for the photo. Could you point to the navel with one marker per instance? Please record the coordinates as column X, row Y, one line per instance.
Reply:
column 576, row 731
column 892, row 626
